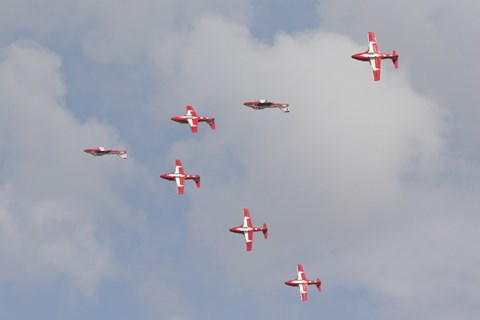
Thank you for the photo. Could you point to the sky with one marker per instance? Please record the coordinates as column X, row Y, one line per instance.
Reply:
column 372, row 186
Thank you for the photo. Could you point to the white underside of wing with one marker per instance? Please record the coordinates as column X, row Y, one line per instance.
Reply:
column 178, row 182
column 373, row 63
column 247, row 239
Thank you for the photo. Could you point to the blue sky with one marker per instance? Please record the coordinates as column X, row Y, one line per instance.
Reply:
column 372, row 186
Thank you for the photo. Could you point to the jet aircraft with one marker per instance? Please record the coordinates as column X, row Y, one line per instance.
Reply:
column 262, row 104
column 374, row 56
column 101, row 151
column 248, row 229
column 302, row 283
column 193, row 119
column 179, row 177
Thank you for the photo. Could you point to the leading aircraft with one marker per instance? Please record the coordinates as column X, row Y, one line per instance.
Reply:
column 262, row 104
column 179, row 177
column 302, row 283
column 101, row 151
column 374, row 56
column 248, row 229
column 193, row 119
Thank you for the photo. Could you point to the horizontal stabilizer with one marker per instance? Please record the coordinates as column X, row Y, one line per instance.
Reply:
column 197, row 181
column 265, row 231
column 395, row 59
column 211, row 122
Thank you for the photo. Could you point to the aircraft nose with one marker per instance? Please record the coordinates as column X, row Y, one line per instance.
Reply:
column 164, row 176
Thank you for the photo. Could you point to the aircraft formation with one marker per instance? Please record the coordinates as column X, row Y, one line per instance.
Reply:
column 372, row 55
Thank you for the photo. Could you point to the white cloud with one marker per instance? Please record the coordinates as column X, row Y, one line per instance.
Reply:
column 428, row 40
column 51, row 191
column 111, row 31
column 125, row 32
column 333, row 178
column 353, row 182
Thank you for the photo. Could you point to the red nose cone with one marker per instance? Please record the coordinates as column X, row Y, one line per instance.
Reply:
column 164, row 176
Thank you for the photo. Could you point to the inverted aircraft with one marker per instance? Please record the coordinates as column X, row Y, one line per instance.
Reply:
column 263, row 104
column 101, row 151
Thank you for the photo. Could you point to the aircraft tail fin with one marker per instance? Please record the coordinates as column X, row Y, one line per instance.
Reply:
column 285, row 109
column 123, row 155
column 318, row 283
column 265, row 231
column 197, row 181
column 395, row 59
column 211, row 122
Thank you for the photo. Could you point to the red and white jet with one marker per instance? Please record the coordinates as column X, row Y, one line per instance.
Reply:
column 302, row 283
column 179, row 177
column 374, row 56
column 248, row 229
column 193, row 119
column 262, row 104
column 101, row 151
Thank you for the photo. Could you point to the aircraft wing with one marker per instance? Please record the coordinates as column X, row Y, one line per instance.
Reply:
column 303, row 291
column 300, row 273
column 193, row 124
column 180, row 184
column 372, row 43
column 264, row 103
column 191, row 111
column 247, row 220
column 376, row 64
column 179, row 167
column 194, row 121
column 249, row 239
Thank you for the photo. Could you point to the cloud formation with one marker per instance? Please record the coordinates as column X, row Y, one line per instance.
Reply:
column 362, row 182
column 49, row 195
column 347, row 181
